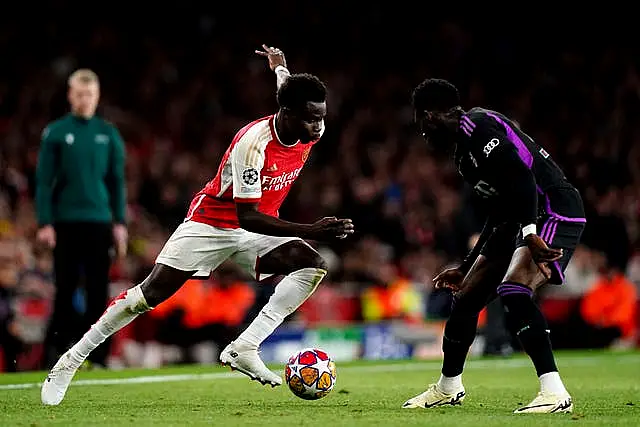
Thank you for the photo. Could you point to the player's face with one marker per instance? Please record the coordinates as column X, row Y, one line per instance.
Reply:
column 84, row 98
column 309, row 123
column 435, row 127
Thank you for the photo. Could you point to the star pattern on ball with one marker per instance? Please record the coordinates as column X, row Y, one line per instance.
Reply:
column 310, row 374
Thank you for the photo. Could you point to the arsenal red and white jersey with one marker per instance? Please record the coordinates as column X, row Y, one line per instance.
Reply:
column 256, row 168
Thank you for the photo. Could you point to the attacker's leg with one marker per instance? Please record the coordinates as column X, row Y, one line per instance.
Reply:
column 303, row 268
column 159, row 285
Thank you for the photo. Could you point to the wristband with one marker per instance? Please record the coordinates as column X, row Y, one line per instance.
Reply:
column 529, row 229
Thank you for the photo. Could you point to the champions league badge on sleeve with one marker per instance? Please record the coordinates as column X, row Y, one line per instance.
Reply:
column 250, row 176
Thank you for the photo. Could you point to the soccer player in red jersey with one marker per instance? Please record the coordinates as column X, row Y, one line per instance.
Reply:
column 235, row 216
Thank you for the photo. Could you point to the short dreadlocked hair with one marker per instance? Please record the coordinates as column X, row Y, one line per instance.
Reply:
column 435, row 95
column 298, row 89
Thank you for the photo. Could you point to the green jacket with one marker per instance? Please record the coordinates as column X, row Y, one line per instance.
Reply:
column 80, row 172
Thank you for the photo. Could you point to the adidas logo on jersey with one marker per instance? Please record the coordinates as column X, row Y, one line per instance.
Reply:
column 272, row 168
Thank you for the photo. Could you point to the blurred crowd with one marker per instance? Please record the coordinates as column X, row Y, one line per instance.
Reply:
column 179, row 87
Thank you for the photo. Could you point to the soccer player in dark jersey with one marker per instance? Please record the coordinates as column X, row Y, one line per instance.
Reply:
column 535, row 218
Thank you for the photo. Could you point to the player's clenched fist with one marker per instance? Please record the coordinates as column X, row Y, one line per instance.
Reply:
column 330, row 228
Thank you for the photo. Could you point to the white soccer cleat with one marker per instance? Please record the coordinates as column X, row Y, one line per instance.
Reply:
column 249, row 363
column 435, row 397
column 547, row 403
column 55, row 385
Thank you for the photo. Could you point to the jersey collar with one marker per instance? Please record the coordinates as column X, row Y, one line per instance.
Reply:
column 272, row 122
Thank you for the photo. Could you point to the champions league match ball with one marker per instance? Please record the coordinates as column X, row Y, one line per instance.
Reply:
column 310, row 374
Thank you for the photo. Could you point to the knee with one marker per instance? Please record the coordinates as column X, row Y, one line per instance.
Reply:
column 306, row 257
column 155, row 290
column 152, row 294
column 316, row 261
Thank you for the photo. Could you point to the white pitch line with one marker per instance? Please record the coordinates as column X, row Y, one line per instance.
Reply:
column 473, row 364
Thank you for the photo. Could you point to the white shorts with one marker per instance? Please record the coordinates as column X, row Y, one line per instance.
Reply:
column 195, row 246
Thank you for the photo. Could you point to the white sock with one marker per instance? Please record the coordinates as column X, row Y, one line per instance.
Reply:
column 551, row 382
column 450, row 385
column 122, row 310
column 289, row 294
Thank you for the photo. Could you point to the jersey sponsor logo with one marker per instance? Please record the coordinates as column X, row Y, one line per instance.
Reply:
column 275, row 183
column 544, row 153
column 490, row 146
column 485, row 190
column 250, row 176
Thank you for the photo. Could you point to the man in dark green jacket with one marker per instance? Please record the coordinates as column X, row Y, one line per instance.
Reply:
column 80, row 202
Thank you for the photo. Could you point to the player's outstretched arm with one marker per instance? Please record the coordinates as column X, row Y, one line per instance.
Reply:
column 277, row 62
column 326, row 229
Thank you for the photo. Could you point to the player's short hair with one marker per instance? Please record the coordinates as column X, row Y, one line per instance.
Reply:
column 435, row 95
column 298, row 89
column 83, row 75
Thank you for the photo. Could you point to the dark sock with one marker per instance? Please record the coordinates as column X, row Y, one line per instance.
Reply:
column 459, row 333
column 525, row 321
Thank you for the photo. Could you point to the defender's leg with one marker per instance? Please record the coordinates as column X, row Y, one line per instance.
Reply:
column 525, row 321
column 477, row 289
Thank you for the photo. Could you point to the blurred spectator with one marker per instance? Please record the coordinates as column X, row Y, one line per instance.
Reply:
column 609, row 312
column 9, row 336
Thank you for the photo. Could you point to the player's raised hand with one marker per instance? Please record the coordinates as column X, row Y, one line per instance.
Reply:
column 450, row 278
column 331, row 228
column 274, row 55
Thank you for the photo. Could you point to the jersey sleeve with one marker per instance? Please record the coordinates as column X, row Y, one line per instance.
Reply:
column 247, row 160
column 504, row 161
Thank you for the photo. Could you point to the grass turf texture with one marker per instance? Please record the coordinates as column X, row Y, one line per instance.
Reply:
column 605, row 388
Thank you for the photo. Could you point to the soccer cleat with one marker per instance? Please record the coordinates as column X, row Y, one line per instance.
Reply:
column 547, row 403
column 55, row 385
column 435, row 397
column 249, row 363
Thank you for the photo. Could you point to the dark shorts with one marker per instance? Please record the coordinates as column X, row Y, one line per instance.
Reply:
column 558, row 232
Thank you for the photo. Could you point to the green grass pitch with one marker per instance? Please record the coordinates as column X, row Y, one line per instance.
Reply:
column 605, row 388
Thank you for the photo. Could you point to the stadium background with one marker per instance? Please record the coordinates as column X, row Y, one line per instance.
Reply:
column 179, row 83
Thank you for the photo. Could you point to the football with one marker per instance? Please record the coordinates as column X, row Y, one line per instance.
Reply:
column 310, row 374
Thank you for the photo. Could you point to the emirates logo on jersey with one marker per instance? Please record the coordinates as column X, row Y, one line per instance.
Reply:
column 276, row 183
column 305, row 154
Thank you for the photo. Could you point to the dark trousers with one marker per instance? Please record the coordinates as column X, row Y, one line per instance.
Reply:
column 81, row 259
